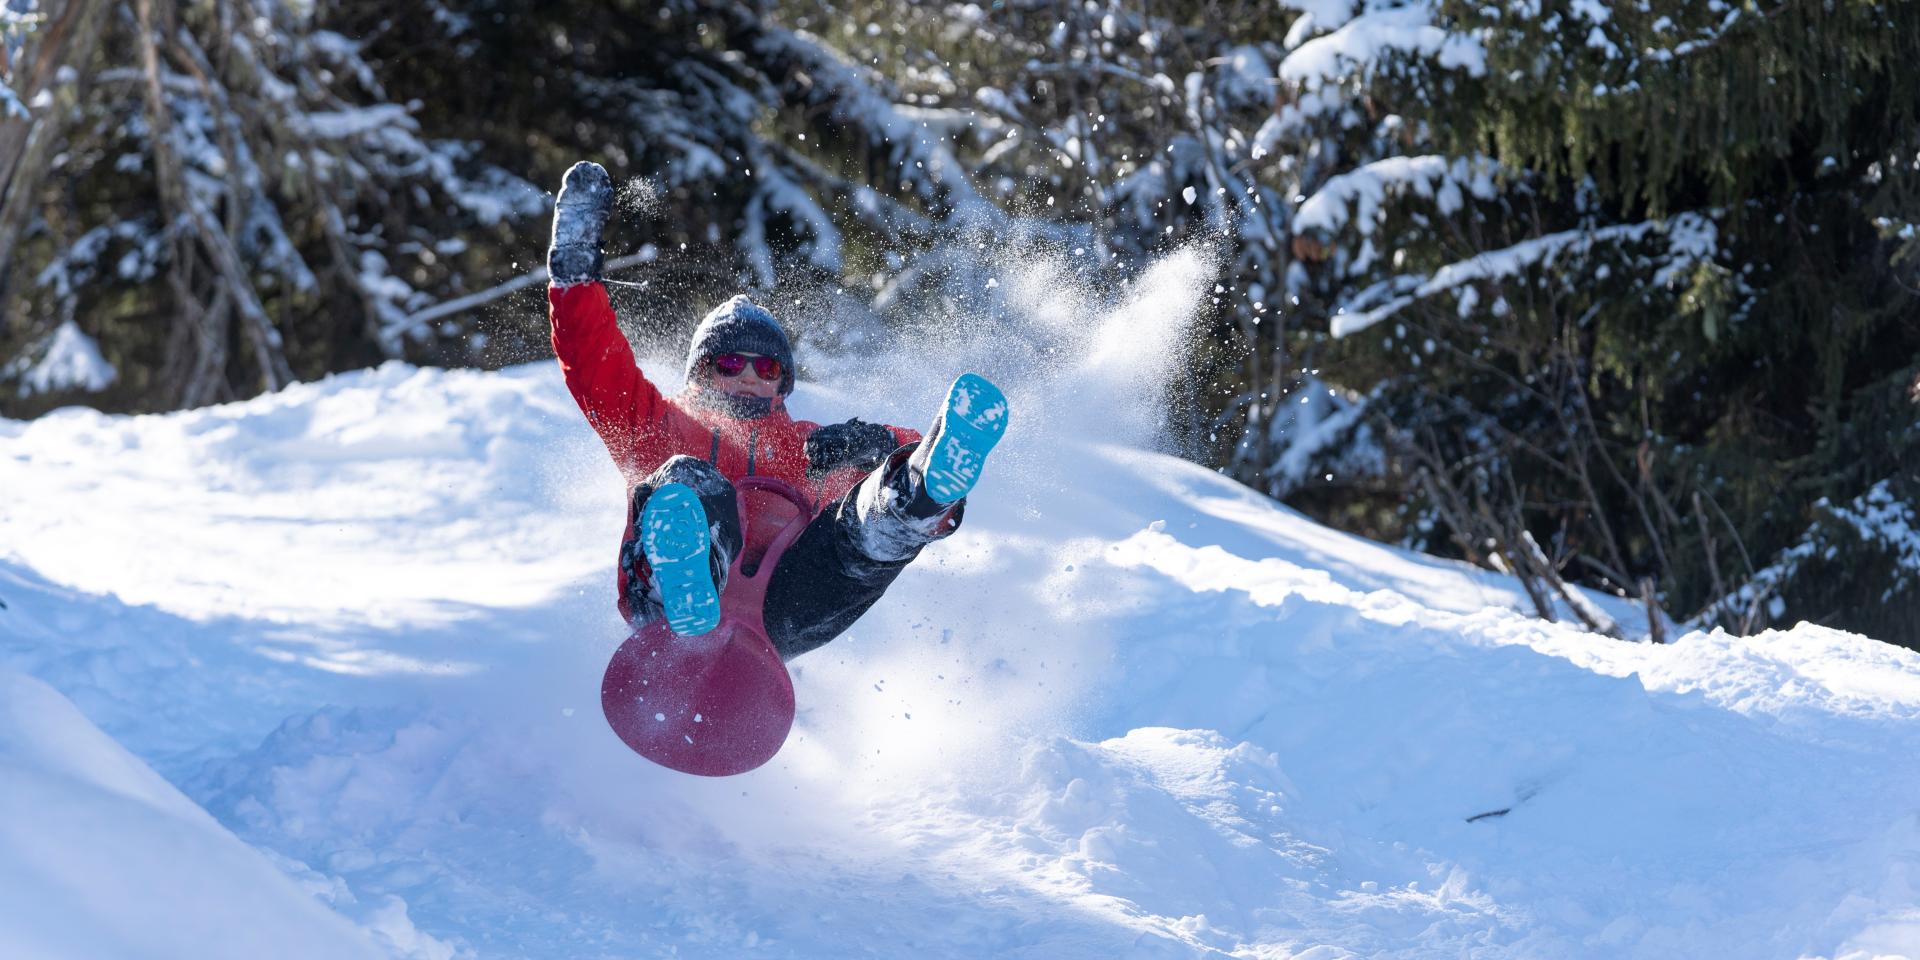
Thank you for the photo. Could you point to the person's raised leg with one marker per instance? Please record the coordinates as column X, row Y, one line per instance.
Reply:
column 850, row 554
column 684, row 533
column 847, row 557
column 969, row 426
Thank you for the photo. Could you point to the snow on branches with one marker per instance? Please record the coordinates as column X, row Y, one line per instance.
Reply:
column 1690, row 239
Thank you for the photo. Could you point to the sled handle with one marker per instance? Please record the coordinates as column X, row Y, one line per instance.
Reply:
column 770, row 557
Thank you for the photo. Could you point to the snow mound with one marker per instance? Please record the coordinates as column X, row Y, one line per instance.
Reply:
column 100, row 857
column 1131, row 709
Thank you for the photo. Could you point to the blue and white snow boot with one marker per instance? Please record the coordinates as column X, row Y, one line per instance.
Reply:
column 677, row 543
column 970, row 424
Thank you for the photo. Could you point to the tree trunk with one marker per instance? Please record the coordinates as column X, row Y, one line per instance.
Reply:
column 49, row 76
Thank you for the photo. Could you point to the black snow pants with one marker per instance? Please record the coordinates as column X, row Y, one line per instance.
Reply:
column 838, row 568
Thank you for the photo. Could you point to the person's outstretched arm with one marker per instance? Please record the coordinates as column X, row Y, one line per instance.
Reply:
column 594, row 355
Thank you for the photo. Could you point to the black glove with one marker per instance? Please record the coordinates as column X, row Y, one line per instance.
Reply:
column 850, row 444
column 579, row 214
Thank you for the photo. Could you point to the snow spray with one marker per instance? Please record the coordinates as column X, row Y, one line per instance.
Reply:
column 638, row 198
column 947, row 670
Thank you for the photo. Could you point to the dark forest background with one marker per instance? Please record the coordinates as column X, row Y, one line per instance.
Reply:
column 1619, row 295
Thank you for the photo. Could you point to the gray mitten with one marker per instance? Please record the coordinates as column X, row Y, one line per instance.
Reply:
column 579, row 214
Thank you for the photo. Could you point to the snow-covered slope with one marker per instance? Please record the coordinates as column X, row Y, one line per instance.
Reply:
column 1131, row 709
column 100, row 857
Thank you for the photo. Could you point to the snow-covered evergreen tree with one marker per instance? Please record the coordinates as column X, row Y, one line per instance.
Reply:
column 235, row 200
column 1625, row 284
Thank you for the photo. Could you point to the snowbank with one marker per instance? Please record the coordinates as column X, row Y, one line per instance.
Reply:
column 100, row 857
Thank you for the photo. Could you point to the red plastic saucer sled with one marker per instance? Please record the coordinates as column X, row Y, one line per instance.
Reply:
column 720, row 703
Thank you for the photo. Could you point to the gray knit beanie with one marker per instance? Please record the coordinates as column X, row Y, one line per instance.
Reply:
column 741, row 326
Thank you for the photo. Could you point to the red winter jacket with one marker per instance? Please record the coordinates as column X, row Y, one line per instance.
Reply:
column 642, row 427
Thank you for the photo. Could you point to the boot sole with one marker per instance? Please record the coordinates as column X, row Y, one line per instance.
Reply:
column 675, row 538
column 971, row 423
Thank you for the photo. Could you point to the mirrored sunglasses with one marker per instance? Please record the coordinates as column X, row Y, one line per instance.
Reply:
column 731, row 365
